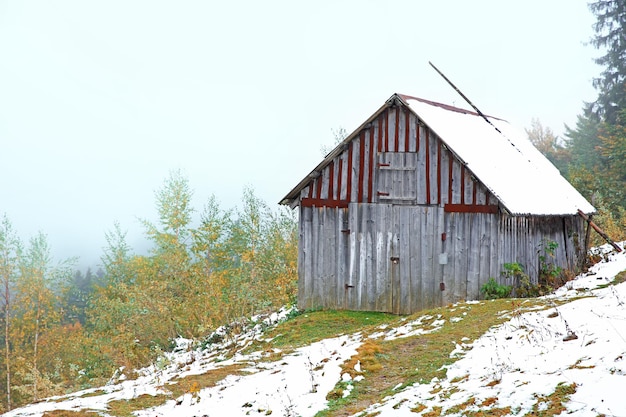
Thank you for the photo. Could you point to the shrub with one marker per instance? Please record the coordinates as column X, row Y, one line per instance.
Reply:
column 492, row 290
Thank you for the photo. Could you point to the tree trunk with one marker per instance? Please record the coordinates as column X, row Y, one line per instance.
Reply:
column 7, row 310
column 35, row 370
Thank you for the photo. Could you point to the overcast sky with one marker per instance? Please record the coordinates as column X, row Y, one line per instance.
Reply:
column 101, row 100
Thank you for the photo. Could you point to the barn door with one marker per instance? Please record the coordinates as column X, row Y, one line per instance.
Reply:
column 371, row 241
column 417, row 266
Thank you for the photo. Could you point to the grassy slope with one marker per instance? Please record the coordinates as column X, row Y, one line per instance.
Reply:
column 386, row 365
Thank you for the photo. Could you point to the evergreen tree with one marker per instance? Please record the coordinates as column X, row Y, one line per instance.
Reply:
column 610, row 35
column 598, row 142
column 78, row 295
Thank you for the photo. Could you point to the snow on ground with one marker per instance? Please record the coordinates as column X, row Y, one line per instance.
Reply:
column 582, row 341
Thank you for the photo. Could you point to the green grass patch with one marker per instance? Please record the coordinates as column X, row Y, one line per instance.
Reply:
column 312, row 327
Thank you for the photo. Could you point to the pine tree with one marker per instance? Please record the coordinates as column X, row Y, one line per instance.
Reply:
column 610, row 35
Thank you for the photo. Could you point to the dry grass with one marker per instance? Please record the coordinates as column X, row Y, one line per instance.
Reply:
column 71, row 413
column 553, row 404
column 191, row 384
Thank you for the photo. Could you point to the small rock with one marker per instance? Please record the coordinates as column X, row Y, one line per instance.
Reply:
column 570, row 336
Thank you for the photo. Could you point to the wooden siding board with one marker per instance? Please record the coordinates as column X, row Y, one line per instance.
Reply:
column 342, row 256
column 421, row 167
column 407, row 130
column 320, row 276
column 304, row 263
column 351, row 291
column 349, row 171
column 361, row 168
column 456, row 182
column 412, row 133
column 332, row 262
column 404, row 226
column 394, row 250
column 313, row 233
column 461, row 254
column 440, row 248
column 370, row 165
column 385, row 130
column 396, row 130
column 331, row 181
column 380, row 255
column 429, row 158
column 428, row 261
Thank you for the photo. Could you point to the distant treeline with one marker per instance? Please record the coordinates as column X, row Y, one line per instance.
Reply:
column 63, row 330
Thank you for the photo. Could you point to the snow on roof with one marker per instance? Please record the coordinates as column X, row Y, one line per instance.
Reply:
column 503, row 159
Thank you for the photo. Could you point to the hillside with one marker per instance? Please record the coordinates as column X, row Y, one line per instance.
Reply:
column 563, row 353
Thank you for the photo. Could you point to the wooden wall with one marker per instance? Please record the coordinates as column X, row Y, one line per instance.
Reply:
column 402, row 259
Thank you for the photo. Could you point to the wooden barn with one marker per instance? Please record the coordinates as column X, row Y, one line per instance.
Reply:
column 422, row 204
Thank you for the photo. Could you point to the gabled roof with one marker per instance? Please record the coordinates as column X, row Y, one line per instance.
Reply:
column 499, row 156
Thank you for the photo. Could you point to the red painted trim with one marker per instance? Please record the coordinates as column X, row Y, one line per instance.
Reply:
column 407, row 136
column 382, row 193
column 339, row 177
column 382, row 164
column 361, row 166
column 370, row 180
column 450, row 166
column 311, row 189
column 323, row 202
column 331, row 179
column 463, row 208
column 427, row 150
column 349, row 184
column 397, row 132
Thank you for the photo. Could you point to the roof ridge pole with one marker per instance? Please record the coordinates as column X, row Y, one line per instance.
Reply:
column 464, row 97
